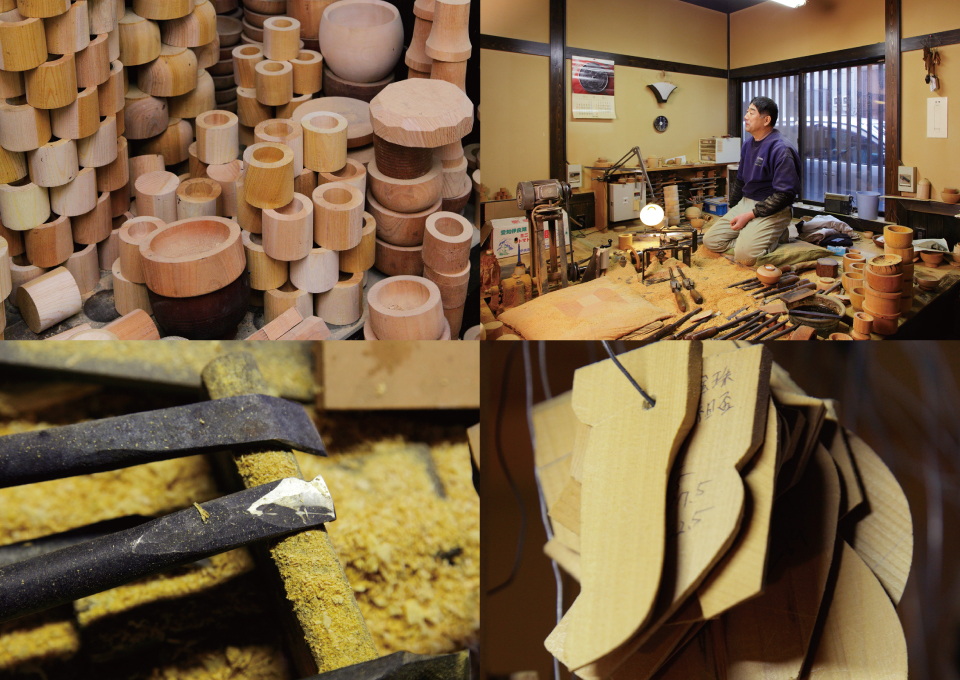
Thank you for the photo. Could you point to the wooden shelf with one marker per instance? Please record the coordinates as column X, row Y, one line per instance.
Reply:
column 928, row 205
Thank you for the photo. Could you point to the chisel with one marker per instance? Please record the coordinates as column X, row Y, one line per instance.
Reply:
column 680, row 334
column 245, row 422
column 710, row 332
column 785, row 331
column 772, row 329
column 740, row 283
column 225, row 523
column 675, row 287
column 668, row 330
column 689, row 284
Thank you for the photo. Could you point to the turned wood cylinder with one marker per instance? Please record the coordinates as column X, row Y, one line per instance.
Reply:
column 23, row 127
column 266, row 273
column 363, row 256
column 48, row 299
column 11, row 84
column 307, row 72
column 108, row 250
column 324, row 141
column 226, row 176
column 84, row 267
column 453, row 287
column 406, row 308
column 173, row 143
column 245, row 60
column 287, row 110
column 250, row 111
column 115, row 174
column 353, row 173
column 198, row 197
column 93, row 62
column 400, row 229
column 6, row 283
column 100, row 148
column 274, row 82
column 281, row 38
column 53, row 84
column 305, row 182
column 449, row 39
column 342, row 304
column 173, row 73
column 399, row 260
column 418, row 113
column 127, row 295
column 318, row 272
column 92, row 334
column 217, row 137
column 401, row 162
column 139, row 39
column 406, row 195
column 276, row 302
column 193, row 30
column 76, row 197
column 23, row 44
column 13, row 165
column 156, row 195
column 146, row 116
column 192, row 104
column 249, row 217
column 94, row 226
column 23, row 207
column 135, row 325
column 446, row 242
column 162, row 10
column 22, row 271
column 80, row 118
column 50, row 244
column 286, row 132
column 141, row 165
column 454, row 72
column 268, row 181
column 338, row 216
column 288, row 231
column 208, row 55
column 131, row 236
column 103, row 16
column 416, row 56
column 14, row 240
column 54, row 164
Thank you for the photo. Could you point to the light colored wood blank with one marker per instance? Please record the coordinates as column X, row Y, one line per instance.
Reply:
column 160, row 11
column 342, row 304
column 454, row 72
column 281, row 38
column 265, row 272
column 286, row 132
column 400, row 229
column 50, row 244
column 198, row 197
column 353, row 172
column 23, row 207
column 23, row 44
column 288, row 231
column 278, row 326
column 193, row 30
column 76, row 197
column 318, row 272
column 446, row 242
column 363, row 256
column 13, row 165
column 307, row 72
column 276, row 302
column 273, row 82
column 398, row 260
column 6, row 283
column 453, row 287
column 416, row 56
column 54, row 163
column 131, row 234
column 324, row 141
column 135, row 325
column 20, row 273
column 108, row 250
column 192, row 257
column 93, row 62
column 23, row 127
column 311, row 328
column 156, row 195
column 96, row 225
column 127, row 295
column 268, row 175
column 173, row 143
column 338, row 216
column 198, row 100
column 405, row 308
column 53, row 84
column 48, row 299
column 421, row 113
column 85, row 268
column 245, row 60
column 117, row 173
column 139, row 39
column 406, row 195
column 217, row 137
column 100, row 148
column 173, row 73
column 449, row 38
column 250, row 112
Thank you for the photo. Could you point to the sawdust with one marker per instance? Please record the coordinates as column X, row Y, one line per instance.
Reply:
column 412, row 556
column 259, row 662
column 266, row 466
column 37, row 638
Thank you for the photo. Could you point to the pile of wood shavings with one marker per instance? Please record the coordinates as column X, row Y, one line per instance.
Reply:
column 254, row 662
column 412, row 556
column 39, row 637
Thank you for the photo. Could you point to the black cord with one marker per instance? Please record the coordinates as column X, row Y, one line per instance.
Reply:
column 633, row 382
column 498, row 445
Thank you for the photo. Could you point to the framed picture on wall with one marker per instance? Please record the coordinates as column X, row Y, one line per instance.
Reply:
column 907, row 179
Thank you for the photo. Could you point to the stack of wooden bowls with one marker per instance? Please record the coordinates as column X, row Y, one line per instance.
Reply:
column 361, row 42
column 671, row 205
column 446, row 262
column 883, row 291
column 898, row 240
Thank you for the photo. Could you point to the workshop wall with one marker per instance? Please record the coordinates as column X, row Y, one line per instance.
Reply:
column 514, row 91
column 935, row 159
column 697, row 108
column 771, row 32
column 920, row 17
column 527, row 20
column 656, row 29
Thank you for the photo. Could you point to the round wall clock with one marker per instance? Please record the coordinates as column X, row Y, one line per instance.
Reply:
column 660, row 124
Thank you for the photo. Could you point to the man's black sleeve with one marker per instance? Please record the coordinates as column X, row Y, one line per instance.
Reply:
column 737, row 193
column 773, row 203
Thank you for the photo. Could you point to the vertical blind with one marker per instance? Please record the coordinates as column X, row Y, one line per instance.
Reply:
column 840, row 134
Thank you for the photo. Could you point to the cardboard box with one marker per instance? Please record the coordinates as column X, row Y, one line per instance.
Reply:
column 510, row 233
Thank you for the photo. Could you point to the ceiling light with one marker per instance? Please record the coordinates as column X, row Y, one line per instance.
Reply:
column 792, row 3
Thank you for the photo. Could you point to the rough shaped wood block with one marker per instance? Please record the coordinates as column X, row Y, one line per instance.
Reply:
column 335, row 86
column 446, row 242
column 108, row 250
column 21, row 271
column 273, row 82
column 93, row 62
column 357, row 113
column 54, row 164
column 361, row 40
column 115, row 174
column 311, row 328
column 68, row 33
column 400, row 229
column 421, row 113
column 192, row 257
column 103, row 16
column 147, row 116
column 94, row 226
column 250, row 111
column 449, row 38
column 135, row 325
column 268, row 175
column 173, row 143
column 76, row 197
column 453, row 287
column 84, row 266
column 162, row 10
column 50, row 244
column 53, row 84
column 406, row 308
column 287, row 132
column 338, row 216
column 193, row 30
column 250, row 217
column 13, row 166
column 217, row 137
column 318, row 272
column 406, row 195
column 307, row 72
column 156, row 196
column 399, row 260
column 198, row 197
column 276, row 302
column 78, row 119
column 139, row 39
column 192, row 104
column 23, row 44
column 273, row 329
column 363, row 256
column 23, row 207
column 342, row 304
column 324, row 141
column 226, row 176
column 353, row 173
column 454, row 72
column 127, row 295
column 281, row 38
column 265, row 272
column 173, row 73
column 416, row 56
column 288, row 231
column 48, row 299
column 401, row 162
column 245, row 60
column 100, row 148
column 131, row 236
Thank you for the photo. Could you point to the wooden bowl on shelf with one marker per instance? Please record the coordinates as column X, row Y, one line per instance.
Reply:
column 931, row 258
column 950, row 196
column 212, row 316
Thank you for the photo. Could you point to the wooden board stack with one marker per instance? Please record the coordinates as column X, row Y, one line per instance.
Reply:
column 717, row 550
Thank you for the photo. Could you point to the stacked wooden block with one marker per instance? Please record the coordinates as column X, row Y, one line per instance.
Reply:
column 361, row 42
column 446, row 262
column 888, row 280
column 440, row 47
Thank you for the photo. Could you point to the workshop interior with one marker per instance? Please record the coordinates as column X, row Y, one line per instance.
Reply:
column 779, row 511
column 260, row 511
column 775, row 169
column 238, row 169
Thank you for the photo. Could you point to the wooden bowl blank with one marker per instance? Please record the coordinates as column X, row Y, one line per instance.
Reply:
column 949, row 197
column 862, row 323
column 400, row 229
column 357, row 113
column 406, row 308
column 768, row 274
column 931, row 258
column 229, row 30
column 906, row 254
column 266, row 6
column 193, row 257
column 897, row 236
column 211, row 316
column 361, row 40
column 446, row 242
column 883, row 324
column 856, row 295
column 882, row 302
column 335, row 86
column 886, row 264
column 406, row 195
column 885, row 283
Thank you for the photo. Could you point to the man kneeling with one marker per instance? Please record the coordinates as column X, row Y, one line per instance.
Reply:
column 768, row 183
